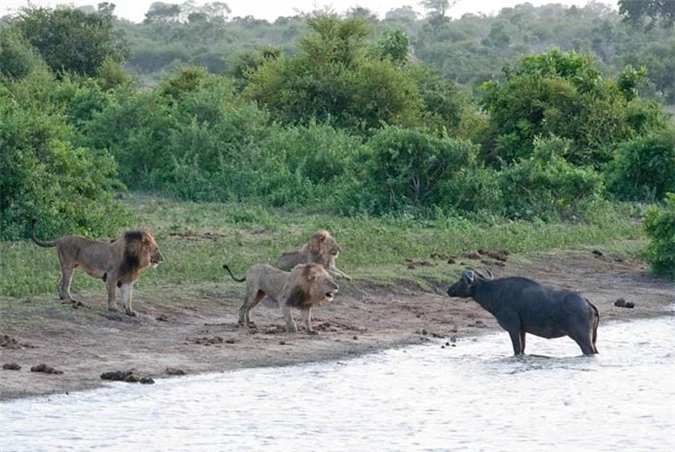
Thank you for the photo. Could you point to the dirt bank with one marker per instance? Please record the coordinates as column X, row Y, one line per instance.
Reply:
column 193, row 332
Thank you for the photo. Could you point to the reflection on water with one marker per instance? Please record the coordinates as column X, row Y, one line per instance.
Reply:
column 472, row 396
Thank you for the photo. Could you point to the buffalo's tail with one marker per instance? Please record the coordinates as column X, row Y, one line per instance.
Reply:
column 233, row 277
column 38, row 241
column 596, row 322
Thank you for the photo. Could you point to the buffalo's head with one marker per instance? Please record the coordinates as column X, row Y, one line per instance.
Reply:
column 464, row 287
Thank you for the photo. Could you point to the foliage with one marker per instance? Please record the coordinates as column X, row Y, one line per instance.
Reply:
column 546, row 186
column 635, row 11
column 334, row 79
column 563, row 94
column 69, row 188
column 644, row 167
column 659, row 226
column 406, row 169
column 17, row 56
column 71, row 40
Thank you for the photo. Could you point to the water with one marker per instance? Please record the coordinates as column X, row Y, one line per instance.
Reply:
column 473, row 396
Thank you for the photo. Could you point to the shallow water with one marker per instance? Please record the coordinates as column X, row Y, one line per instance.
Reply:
column 473, row 396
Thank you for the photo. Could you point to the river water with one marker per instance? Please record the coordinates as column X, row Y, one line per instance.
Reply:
column 471, row 396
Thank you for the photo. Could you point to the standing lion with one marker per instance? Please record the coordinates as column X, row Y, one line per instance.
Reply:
column 118, row 263
column 321, row 249
column 305, row 286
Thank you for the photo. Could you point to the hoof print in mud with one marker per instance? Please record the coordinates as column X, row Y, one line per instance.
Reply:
column 11, row 366
column 126, row 376
column 45, row 369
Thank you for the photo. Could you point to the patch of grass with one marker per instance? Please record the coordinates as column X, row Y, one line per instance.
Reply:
column 196, row 239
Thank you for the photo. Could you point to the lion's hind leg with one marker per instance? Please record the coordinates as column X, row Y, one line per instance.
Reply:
column 63, row 285
column 253, row 297
column 111, row 288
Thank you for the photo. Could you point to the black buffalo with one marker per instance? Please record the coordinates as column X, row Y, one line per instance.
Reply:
column 521, row 306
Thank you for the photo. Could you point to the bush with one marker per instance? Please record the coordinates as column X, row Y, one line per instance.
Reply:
column 69, row 188
column 644, row 168
column 660, row 228
column 546, row 186
column 17, row 55
column 407, row 168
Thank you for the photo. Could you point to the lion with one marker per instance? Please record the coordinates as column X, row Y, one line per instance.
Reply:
column 118, row 262
column 321, row 249
column 303, row 287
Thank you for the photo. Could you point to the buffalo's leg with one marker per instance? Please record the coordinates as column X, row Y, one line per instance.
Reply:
column 522, row 342
column 583, row 339
column 515, row 341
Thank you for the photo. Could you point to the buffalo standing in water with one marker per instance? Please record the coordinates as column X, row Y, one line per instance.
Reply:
column 521, row 306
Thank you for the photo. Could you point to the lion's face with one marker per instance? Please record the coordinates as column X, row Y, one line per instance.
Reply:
column 322, row 243
column 320, row 283
column 142, row 245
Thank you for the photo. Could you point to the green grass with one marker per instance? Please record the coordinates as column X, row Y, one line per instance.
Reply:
column 196, row 239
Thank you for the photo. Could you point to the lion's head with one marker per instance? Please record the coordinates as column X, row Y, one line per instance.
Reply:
column 311, row 284
column 323, row 244
column 141, row 250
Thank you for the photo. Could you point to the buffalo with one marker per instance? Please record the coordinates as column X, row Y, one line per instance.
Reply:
column 521, row 306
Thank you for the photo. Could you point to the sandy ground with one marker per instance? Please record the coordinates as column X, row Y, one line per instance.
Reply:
column 189, row 333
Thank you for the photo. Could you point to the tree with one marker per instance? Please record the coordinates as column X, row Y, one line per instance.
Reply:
column 106, row 8
column 563, row 94
column 404, row 13
column 17, row 56
column 395, row 46
column 162, row 12
column 71, row 40
column 336, row 78
column 636, row 11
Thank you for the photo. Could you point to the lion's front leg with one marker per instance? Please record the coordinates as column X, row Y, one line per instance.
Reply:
column 127, row 292
column 291, row 327
column 334, row 270
column 307, row 320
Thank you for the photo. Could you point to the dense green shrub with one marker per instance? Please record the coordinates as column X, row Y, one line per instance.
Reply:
column 660, row 228
column 406, row 168
column 563, row 94
column 546, row 186
column 69, row 188
column 17, row 56
column 644, row 167
column 313, row 165
column 135, row 129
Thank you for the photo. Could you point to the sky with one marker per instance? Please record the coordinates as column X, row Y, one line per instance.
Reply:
column 135, row 10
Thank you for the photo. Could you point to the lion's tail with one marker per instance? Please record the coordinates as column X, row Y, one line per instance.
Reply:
column 40, row 242
column 230, row 272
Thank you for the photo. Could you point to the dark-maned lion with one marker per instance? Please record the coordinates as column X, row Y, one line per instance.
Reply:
column 321, row 249
column 118, row 263
column 303, row 287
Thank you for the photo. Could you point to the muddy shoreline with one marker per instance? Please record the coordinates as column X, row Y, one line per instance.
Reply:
column 197, row 333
